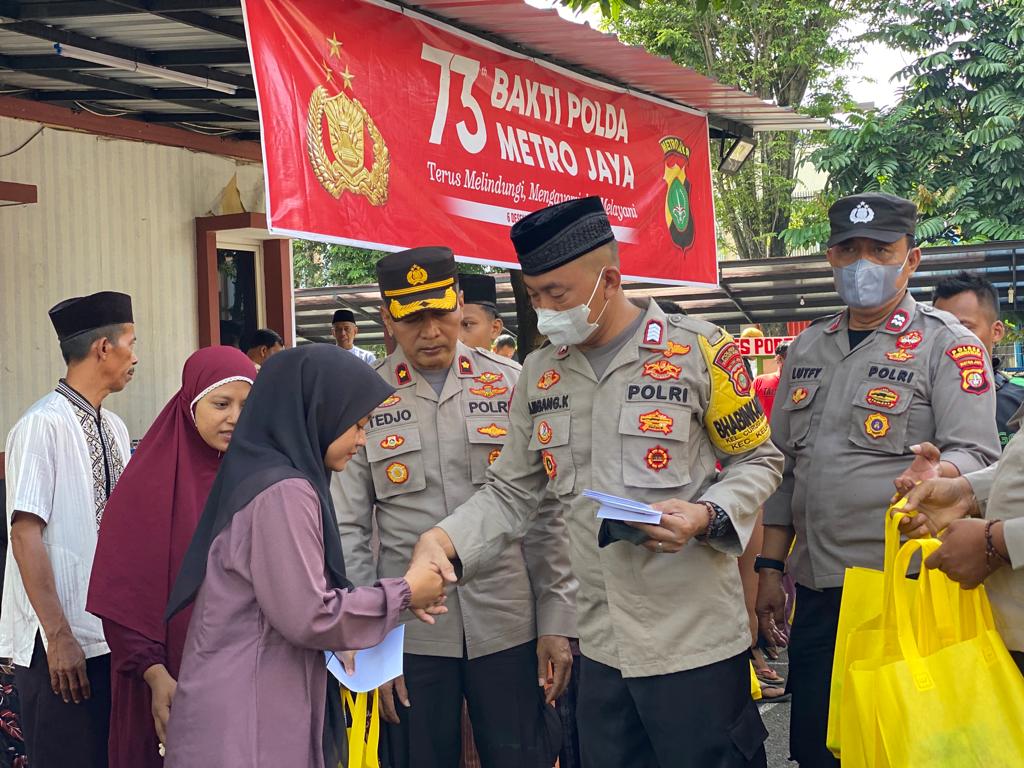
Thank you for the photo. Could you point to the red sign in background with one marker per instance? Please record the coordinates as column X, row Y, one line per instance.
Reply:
column 388, row 130
column 762, row 346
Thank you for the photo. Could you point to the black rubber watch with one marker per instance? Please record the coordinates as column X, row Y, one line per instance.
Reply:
column 767, row 562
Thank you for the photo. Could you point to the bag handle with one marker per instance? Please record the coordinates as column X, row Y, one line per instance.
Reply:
column 901, row 594
column 893, row 517
column 363, row 742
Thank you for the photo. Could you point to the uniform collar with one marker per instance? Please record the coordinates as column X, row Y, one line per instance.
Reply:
column 76, row 399
column 897, row 322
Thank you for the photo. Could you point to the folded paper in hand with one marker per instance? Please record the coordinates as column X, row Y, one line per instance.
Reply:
column 627, row 510
column 374, row 666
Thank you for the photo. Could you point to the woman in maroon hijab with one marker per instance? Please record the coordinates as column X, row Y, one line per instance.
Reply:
column 147, row 526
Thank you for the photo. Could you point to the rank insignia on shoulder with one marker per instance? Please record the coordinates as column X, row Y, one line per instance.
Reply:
column 835, row 323
column 391, row 442
column 489, row 377
column 392, row 400
column 882, row 397
column 562, row 351
column 672, row 349
column 899, row 355
column 548, row 379
column 402, row 374
column 876, row 425
column 488, row 390
column 397, row 472
column 799, row 395
column 492, row 430
column 493, row 456
column 658, row 458
column 654, row 333
column 662, row 370
column 465, row 365
column 550, row 465
column 897, row 320
column 656, row 421
column 544, row 433
column 910, row 340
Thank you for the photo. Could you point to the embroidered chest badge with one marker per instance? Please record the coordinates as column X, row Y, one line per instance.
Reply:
column 662, row 370
column 489, row 377
column 548, row 379
column 493, row 456
column 882, row 397
column 658, row 458
column 899, row 355
column 910, row 340
column 488, row 390
column 672, row 349
column 393, row 400
column 391, row 442
column 397, row 472
column 656, row 421
column 492, row 430
column 799, row 395
column 876, row 425
column 544, row 433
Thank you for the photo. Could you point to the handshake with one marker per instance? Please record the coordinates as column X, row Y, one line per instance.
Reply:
column 430, row 571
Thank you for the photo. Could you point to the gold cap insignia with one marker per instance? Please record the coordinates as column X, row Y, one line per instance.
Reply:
column 417, row 275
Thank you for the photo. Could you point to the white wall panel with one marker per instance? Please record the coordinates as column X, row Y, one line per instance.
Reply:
column 112, row 215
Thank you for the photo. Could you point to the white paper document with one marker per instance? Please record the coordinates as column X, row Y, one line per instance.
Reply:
column 374, row 666
column 627, row 510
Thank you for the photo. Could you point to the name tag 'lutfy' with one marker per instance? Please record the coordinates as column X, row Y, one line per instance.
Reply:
column 664, row 393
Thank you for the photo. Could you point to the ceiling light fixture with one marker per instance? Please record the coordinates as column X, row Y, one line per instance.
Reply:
column 116, row 62
column 737, row 155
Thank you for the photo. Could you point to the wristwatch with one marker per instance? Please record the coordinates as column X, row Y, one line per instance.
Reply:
column 767, row 562
column 719, row 523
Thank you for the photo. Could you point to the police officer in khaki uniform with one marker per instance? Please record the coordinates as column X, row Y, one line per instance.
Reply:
column 639, row 404
column 427, row 450
column 857, row 391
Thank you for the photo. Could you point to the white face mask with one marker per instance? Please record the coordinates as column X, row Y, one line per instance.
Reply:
column 571, row 326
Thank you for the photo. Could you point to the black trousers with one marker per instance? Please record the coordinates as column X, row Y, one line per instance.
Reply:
column 1018, row 657
column 812, row 646
column 700, row 718
column 59, row 735
column 506, row 707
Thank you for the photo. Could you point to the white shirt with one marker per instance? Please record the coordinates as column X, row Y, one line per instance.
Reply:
column 363, row 354
column 50, row 474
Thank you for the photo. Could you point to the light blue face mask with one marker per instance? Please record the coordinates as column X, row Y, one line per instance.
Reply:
column 866, row 285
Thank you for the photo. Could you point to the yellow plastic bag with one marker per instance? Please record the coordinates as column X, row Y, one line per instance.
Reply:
column 864, row 594
column 755, row 684
column 363, row 734
column 959, row 707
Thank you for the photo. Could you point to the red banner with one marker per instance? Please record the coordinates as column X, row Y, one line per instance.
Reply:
column 762, row 346
column 389, row 130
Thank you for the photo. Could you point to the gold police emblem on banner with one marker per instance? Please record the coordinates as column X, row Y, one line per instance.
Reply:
column 678, row 213
column 340, row 163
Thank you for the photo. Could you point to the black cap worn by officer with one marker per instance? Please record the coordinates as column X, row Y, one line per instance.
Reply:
column 874, row 215
column 73, row 317
column 552, row 237
column 418, row 279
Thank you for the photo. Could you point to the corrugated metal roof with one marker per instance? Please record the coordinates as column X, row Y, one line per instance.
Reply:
column 533, row 31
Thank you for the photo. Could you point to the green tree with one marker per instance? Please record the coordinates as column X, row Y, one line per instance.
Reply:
column 318, row 265
column 789, row 52
column 953, row 143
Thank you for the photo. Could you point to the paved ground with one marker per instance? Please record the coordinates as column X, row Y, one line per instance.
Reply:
column 776, row 719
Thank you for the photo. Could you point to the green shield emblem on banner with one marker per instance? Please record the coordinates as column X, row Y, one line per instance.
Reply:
column 679, row 205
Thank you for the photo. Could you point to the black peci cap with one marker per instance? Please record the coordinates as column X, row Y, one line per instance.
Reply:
column 479, row 289
column 418, row 279
column 558, row 234
column 84, row 313
column 875, row 215
column 343, row 316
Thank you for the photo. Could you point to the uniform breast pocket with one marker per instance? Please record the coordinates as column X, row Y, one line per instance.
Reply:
column 880, row 416
column 798, row 408
column 396, row 462
column 486, row 439
column 654, row 441
column 551, row 433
